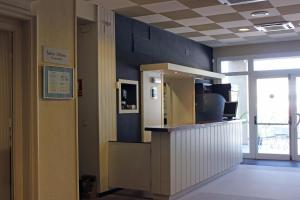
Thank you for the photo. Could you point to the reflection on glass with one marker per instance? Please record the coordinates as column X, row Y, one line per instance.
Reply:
column 243, row 105
column 272, row 109
column 234, row 66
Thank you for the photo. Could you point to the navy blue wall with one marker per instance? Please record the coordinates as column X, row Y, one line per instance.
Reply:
column 138, row 43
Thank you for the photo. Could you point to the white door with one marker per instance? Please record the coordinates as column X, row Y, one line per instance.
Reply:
column 272, row 118
column 6, row 42
column 295, row 117
column 278, row 117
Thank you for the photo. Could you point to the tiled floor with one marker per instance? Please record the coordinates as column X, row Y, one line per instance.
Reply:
column 247, row 182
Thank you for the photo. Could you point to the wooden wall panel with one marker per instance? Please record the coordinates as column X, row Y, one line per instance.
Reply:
column 197, row 154
column 107, row 89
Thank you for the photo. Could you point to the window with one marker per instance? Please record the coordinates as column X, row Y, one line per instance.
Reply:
column 234, row 66
column 241, row 81
column 282, row 63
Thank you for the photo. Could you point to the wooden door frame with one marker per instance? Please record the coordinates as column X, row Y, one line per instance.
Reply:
column 24, row 134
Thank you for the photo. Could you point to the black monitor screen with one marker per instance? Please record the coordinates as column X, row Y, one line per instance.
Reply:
column 230, row 109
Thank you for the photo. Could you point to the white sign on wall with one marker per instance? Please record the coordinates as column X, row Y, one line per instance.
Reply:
column 57, row 56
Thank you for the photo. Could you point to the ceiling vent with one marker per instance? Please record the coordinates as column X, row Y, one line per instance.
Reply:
column 277, row 26
column 238, row 2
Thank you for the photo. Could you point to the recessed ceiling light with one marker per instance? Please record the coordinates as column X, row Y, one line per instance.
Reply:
column 260, row 13
column 244, row 29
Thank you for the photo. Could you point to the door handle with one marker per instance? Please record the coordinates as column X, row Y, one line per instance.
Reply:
column 255, row 120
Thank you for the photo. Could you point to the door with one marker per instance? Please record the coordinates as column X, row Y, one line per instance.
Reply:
column 6, row 64
column 295, row 115
column 272, row 120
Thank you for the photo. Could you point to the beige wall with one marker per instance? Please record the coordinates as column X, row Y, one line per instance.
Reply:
column 57, row 140
column 257, row 49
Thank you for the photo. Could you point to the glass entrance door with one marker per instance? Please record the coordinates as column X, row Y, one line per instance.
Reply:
column 295, row 114
column 272, row 118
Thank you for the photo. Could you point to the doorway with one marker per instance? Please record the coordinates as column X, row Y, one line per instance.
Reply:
column 277, row 117
column 273, row 112
column 6, row 80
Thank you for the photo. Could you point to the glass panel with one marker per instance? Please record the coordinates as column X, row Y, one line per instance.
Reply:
column 298, row 111
column 234, row 66
column 277, row 63
column 241, row 82
column 273, row 139
column 273, row 107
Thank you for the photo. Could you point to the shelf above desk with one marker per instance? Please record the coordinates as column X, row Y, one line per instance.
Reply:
column 179, row 70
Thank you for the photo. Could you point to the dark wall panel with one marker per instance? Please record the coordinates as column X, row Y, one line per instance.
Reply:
column 138, row 43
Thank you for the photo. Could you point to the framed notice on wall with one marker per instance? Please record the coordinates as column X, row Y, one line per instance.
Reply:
column 58, row 82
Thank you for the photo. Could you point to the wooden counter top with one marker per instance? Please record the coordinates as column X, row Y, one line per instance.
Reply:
column 170, row 128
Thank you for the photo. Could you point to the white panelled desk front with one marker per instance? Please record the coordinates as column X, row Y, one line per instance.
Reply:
column 185, row 157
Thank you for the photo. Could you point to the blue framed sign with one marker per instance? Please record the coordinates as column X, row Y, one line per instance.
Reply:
column 58, row 82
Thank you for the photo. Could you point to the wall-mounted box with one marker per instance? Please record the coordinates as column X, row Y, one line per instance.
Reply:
column 128, row 96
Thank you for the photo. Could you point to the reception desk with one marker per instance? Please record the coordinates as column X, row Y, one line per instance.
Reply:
column 178, row 159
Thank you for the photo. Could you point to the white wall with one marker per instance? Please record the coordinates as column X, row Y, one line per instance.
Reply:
column 152, row 108
column 258, row 49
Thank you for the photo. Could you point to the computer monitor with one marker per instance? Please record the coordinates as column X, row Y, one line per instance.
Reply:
column 230, row 109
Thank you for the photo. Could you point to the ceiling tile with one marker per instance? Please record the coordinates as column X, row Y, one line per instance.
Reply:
column 253, row 6
column 147, row 1
column 202, row 38
column 284, row 35
column 181, row 14
column 181, row 30
column 232, row 40
column 248, row 34
column 168, row 24
column 257, row 38
column 297, row 29
column 191, row 34
column 285, row 10
column 166, row 6
column 206, row 27
column 216, row 32
column 210, row 22
column 117, row 4
column 214, row 10
column 152, row 18
column 226, row 17
column 280, row 32
column 267, row 20
column 279, row 3
column 292, row 17
column 194, row 21
column 198, row 4
column 225, row 36
column 134, row 11
column 236, row 29
column 234, row 24
column 272, row 12
column 213, row 43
